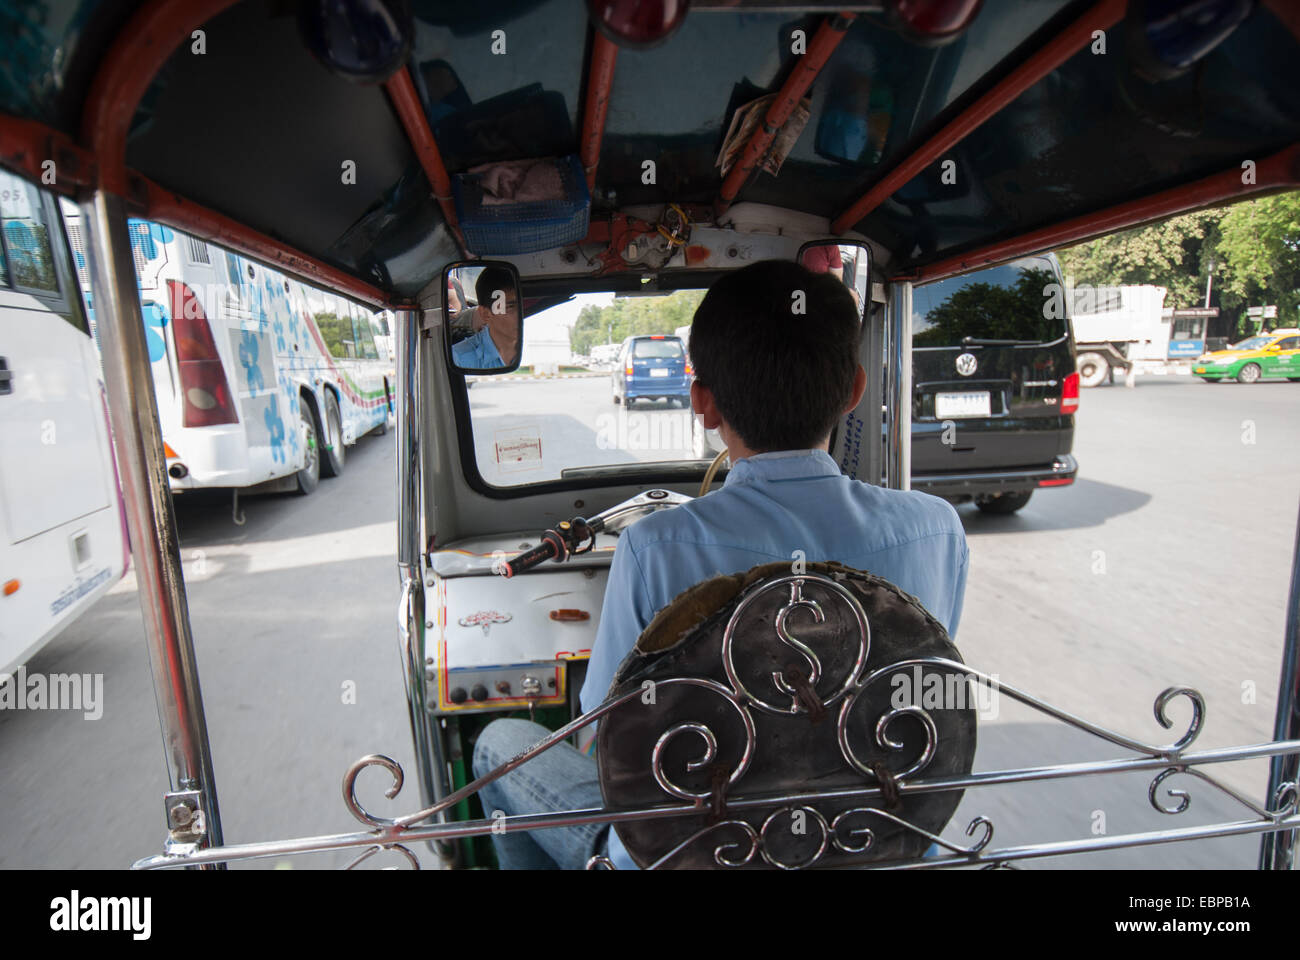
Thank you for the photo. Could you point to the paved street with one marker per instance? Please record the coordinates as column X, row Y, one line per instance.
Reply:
column 1165, row 564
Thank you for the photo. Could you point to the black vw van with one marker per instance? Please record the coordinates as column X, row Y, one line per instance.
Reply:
column 994, row 385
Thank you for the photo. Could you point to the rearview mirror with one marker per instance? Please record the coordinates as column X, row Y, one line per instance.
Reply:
column 481, row 310
column 849, row 262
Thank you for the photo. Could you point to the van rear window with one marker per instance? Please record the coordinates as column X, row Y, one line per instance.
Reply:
column 657, row 349
column 1019, row 301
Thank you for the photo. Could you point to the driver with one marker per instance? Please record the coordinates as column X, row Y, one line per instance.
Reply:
column 774, row 383
column 496, row 322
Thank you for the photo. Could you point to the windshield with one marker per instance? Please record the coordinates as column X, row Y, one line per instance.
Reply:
column 557, row 412
column 1020, row 301
column 1252, row 343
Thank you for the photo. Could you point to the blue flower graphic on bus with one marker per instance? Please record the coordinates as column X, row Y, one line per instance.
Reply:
column 147, row 236
column 248, row 351
column 275, row 427
column 155, row 318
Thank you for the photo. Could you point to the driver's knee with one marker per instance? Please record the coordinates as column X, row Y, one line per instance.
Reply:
column 503, row 739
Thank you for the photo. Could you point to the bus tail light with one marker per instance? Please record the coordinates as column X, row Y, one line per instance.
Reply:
column 206, row 399
column 1070, row 394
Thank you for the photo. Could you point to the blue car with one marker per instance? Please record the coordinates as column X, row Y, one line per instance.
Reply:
column 652, row 367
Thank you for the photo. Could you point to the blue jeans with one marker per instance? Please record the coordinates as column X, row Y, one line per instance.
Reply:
column 559, row 779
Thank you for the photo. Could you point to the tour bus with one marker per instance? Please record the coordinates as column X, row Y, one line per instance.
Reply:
column 261, row 381
column 63, row 537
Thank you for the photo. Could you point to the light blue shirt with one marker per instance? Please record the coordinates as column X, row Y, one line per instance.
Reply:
column 478, row 352
column 771, row 505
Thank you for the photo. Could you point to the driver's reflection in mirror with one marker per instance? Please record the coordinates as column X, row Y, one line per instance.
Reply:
column 495, row 320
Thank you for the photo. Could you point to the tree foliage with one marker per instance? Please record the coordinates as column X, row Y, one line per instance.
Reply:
column 1255, row 246
column 1260, row 243
column 630, row 316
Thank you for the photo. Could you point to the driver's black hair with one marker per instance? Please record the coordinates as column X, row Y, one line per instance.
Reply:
column 781, row 378
column 490, row 279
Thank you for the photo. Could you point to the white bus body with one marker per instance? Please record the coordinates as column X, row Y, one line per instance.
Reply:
column 62, row 531
column 241, row 353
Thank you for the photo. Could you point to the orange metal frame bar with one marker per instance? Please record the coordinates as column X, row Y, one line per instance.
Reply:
column 1042, row 62
column 401, row 89
column 1277, row 172
column 600, row 79
column 823, row 44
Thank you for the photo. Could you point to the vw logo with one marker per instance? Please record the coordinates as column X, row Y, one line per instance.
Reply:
column 966, row 364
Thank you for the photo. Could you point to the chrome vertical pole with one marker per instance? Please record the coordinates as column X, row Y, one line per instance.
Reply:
column 1277, row 850
column 429, row 760
column 128, row 376
column 898, row 387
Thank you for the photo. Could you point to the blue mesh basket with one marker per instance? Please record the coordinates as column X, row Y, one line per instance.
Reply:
column 508, row 228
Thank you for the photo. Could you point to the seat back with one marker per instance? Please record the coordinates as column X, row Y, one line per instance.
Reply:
column 762, row 688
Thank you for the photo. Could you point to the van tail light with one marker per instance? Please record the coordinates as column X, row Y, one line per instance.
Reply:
column 628, row 372
column 689, row 371
column 205, row 395
column 1070, row 394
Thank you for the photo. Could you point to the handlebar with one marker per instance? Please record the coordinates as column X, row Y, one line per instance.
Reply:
column 552, row 546
column 567, row 538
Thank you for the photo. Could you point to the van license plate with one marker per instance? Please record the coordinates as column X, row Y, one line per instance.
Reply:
column 961, row 404
column 658, row 372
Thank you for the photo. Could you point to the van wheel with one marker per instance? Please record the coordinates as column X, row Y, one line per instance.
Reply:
column 309, row 475
column 1003, row 503
column 332, row 453
column 617, row 400
column 1093, row 369
column 1248, row 374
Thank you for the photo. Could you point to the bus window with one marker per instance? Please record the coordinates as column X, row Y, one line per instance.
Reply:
column 26, row 237
column 335, row 327
column 364, row 336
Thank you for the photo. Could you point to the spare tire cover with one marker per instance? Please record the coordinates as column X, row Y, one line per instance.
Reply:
column 717, row 709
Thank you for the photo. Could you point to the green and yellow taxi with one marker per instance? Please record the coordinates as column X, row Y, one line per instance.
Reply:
column 1275, row 354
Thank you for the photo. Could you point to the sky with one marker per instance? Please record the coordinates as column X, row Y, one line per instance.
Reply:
column 554, row 324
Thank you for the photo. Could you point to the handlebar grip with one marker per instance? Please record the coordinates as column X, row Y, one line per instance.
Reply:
column 552, row 546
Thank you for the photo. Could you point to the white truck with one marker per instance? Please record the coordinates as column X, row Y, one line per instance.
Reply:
column 1128, row 328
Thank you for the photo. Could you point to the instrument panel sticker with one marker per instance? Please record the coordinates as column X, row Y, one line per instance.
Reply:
column 518, row 449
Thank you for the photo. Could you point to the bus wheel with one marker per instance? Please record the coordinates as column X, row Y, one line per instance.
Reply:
column 309, row 475
column 332, row 455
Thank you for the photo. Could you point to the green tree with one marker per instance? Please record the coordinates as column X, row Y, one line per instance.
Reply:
column 1260, row 246
column 631, row 316
column 1167, row 254
column 1255, row 246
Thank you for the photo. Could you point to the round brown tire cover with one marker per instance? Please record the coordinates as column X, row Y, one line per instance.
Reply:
column 684, row 698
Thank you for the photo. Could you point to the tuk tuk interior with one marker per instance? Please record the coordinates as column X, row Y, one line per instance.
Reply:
column 340, row 142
